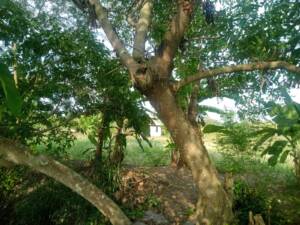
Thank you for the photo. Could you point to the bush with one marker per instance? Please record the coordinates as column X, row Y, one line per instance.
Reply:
column 53, row 203
column 9, row 178
column 249, row 199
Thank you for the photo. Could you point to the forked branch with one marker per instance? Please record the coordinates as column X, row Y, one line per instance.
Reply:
column 117, row 44
column 174, row 35
column 237, row 68
column 141, row 31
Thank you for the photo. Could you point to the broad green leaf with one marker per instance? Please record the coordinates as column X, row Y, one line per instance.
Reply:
column 270, row 133
column 265, row 130
column 276, row 148
column 210, row 128
column 13, row 98
column 273, row 160
column 283, row 156
column 207, row 108
column 92, row 139
column 3, row 3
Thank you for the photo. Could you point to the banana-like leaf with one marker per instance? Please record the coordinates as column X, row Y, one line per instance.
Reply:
column 273, row 160
column 13, row 98
column 92, row 139
column 283, row 156
column 207, row 108
column 268, row 134
column 276, row 148
column 211, row 128
column 264, row 130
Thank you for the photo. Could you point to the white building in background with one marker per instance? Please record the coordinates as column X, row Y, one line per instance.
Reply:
column 156, row 128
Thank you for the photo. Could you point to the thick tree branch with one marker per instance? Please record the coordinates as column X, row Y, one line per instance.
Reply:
column 6, row 164
column 141, row 31
column 12, row 152
column 102, row 17
column 193, row 105
column 237, row 68
column 169, row 45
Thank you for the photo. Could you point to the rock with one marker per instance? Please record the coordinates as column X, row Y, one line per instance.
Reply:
column 154, row 218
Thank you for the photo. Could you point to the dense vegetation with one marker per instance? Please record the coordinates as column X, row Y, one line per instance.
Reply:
column 74, row 77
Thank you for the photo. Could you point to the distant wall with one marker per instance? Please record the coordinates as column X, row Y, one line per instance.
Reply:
column 155, row 131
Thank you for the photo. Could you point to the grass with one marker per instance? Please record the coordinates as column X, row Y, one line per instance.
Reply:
column 277, row 182
column 82, row 149
column 252, row 166
column 157, row 155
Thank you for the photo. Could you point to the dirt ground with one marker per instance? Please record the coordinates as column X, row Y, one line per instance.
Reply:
column 172, row 193
column 169, row 191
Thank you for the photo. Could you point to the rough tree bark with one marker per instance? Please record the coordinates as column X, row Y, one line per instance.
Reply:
column 100, row 142
column 153, row 78
column 10, row 152
column 213, row 207
column 116, row 155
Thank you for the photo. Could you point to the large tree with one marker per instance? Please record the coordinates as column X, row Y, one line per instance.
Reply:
column 243, row 38
column 154, row 76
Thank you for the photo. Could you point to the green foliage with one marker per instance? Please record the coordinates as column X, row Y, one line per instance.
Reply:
column 108, row 177
column 286, row 125
column 152, row 202
column 50, row 202
column 233, row 136
column 248, row 199
column 53, row 203
column 275, row 150
column 13, row 99
column 9, row 179
column 149, row 156
column 63, row 73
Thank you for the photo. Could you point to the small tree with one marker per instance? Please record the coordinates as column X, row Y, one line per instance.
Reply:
column 283, row 135
column 236, row 136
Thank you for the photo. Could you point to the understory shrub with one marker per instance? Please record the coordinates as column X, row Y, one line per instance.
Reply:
column 9, row 178
column 248, row 199
column 52, row 204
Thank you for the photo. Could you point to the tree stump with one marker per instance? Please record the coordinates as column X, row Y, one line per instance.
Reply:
column 256, row 219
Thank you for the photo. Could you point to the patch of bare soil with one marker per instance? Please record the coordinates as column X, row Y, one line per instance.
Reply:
column 172, row 189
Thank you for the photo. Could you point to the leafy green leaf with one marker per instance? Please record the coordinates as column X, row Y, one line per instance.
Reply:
column 276, row 148
column 284, row 155
column 273, row 160
column 92, row 139
column 13, row 98
column 269, row 133
column 211, row 128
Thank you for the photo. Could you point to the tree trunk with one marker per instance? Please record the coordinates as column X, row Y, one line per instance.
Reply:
column 176, row 159
column 12, row 152
column 297, row 165
column 100, row 142
column 213, row 206
column 117, row 153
